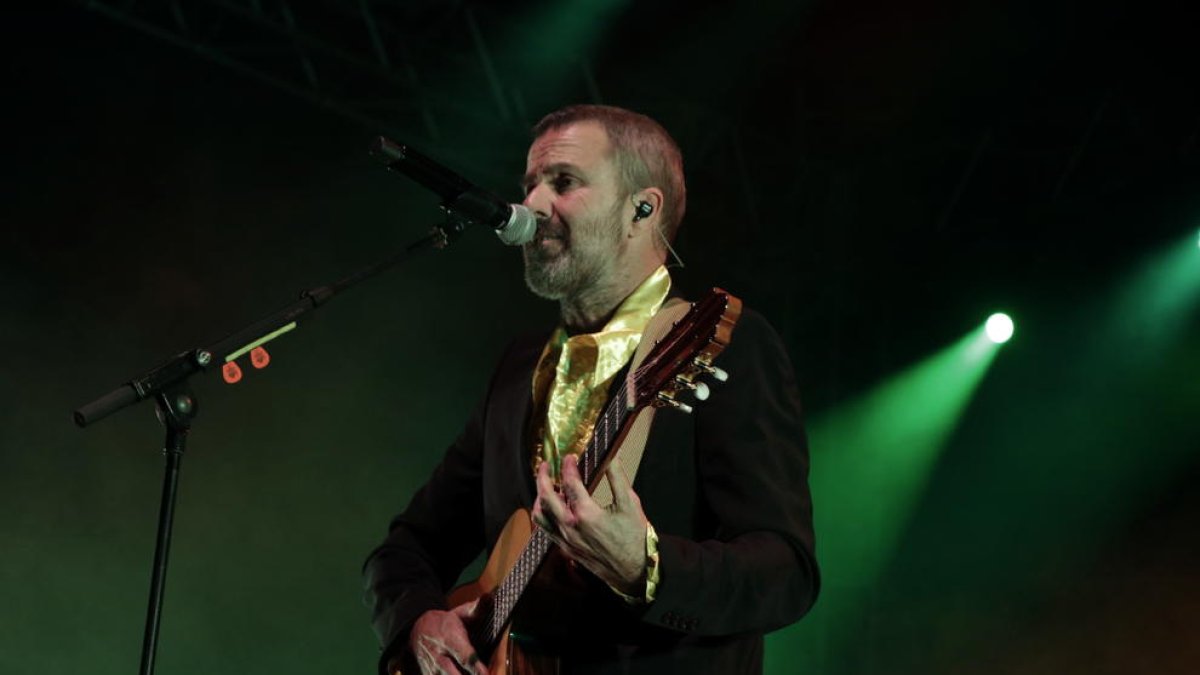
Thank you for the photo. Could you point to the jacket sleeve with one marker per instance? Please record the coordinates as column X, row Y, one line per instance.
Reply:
column 758, row 571
column 429, row 544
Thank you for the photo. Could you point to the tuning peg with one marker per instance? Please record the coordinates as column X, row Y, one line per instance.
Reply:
column 699, row 389
column 717, row 374
column 682, row 407
column 665, row 400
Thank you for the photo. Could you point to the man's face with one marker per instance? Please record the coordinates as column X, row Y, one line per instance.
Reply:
column 573, row 185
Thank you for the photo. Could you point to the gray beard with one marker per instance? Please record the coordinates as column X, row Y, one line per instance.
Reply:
column 559, row 277
column 573, row 272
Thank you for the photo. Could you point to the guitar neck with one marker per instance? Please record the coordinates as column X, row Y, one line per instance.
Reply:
column 504, row 598
column 671, row 366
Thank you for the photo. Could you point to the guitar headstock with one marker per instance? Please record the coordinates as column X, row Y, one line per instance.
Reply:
column 682, row 360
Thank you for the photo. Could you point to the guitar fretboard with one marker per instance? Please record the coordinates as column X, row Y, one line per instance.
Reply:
column 694, row 334
column 506, row 595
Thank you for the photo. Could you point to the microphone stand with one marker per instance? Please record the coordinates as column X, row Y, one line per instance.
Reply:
column 176, row 406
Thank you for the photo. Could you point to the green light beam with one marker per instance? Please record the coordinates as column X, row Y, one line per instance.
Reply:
column 877, row 451
column 872, row 458
column 1157, row 301
column 550, row 47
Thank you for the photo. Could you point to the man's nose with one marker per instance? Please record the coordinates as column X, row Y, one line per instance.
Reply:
column 540, row 201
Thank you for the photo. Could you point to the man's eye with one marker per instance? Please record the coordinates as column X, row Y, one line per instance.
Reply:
column 563, row 183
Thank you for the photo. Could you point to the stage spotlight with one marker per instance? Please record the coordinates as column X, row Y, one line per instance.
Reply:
column 999, row 328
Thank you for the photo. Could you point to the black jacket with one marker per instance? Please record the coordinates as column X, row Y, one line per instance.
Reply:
column 726, row 488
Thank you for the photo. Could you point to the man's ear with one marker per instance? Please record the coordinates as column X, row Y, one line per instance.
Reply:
column 647, row 209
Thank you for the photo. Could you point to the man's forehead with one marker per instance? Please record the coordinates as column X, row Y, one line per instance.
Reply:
column 579, row 143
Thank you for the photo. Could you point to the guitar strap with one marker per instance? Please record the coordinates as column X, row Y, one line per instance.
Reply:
column 627, row 457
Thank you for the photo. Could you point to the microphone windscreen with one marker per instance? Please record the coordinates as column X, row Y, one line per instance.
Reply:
column 520, row 228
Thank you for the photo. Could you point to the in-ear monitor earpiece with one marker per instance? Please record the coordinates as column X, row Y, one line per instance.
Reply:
column 642, row 210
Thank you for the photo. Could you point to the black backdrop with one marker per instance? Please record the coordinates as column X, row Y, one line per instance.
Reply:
column 874, row 178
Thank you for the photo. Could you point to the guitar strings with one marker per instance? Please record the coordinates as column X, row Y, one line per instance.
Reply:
column 509, row 589
column 511, row 586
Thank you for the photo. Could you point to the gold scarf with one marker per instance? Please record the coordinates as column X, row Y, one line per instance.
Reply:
column 570, row 382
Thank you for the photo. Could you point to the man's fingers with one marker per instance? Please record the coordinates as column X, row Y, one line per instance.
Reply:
column 545, row 486
column 543, row 477
column 622, row 493
column 443, row 643
column 551, row 515
column 467, row 609
column 538, row 514
column 435, row 649
column 570, row 471
column 446, row 665
column 427, row 658
column 552, row 504
column 433, row 662
column 459, row 650
column 476, row 664
column 574, row 488
column 542, row 518
column 539, row 517
column 470, row 662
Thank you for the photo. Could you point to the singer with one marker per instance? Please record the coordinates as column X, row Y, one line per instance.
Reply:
column 710, row 546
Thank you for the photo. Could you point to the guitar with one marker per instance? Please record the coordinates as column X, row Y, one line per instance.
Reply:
column 523, row 553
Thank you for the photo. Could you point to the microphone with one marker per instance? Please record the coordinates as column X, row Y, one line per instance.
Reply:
column 515, row 224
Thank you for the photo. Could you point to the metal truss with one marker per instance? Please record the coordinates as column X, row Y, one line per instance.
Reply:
column 352, row 58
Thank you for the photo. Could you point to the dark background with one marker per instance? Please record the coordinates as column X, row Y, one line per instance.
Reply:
column 875, row 177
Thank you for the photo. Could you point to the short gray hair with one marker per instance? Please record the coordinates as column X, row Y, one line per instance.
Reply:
column 645, row 153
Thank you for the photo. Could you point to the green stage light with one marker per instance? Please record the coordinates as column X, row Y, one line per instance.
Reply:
column 872, row 457
column 1159, row 298
column 999, row 328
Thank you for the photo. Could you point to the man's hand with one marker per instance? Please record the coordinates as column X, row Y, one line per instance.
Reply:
column 611, row 543
column 439, row 641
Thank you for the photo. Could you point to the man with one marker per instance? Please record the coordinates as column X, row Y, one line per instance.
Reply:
column 712, row 545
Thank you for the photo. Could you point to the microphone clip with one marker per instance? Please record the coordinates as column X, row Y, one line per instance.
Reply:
column 449, row 231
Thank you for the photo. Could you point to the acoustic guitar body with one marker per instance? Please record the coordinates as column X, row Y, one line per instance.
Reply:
column 521, row 633
column 508, row 657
